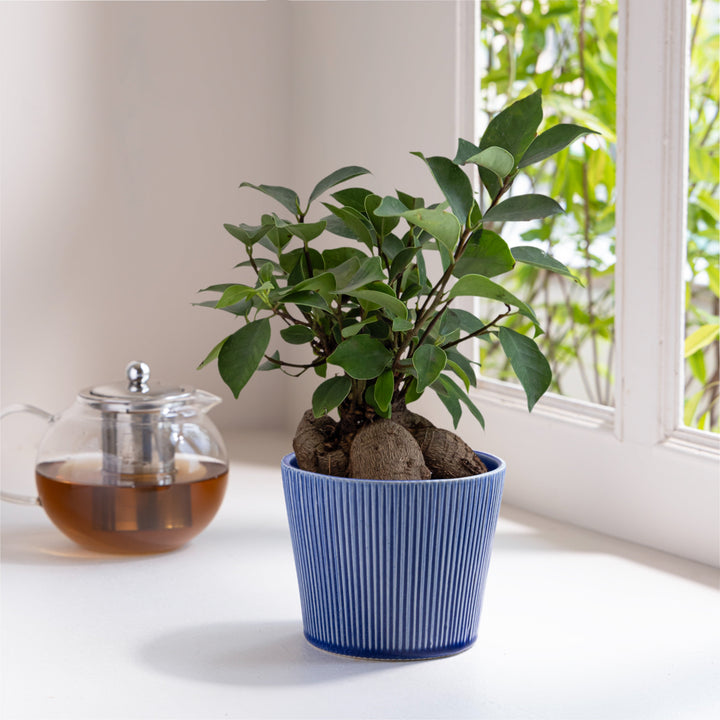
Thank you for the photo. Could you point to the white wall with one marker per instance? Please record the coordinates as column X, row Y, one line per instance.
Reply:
column 373, row 82
column 126, row 129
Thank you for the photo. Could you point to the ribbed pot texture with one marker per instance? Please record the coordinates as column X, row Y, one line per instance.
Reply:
column 392, row 569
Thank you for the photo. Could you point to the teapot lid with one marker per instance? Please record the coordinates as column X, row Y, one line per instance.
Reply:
column 137, row 394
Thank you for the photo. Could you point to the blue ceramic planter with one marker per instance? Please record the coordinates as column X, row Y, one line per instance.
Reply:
column 392, row 569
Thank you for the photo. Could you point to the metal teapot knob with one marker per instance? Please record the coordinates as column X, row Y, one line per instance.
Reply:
column 138, row 375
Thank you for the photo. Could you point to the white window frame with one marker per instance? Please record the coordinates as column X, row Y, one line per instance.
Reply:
column 632, row 471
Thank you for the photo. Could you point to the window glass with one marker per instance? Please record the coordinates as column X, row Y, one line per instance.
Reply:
column 568, row 49
column 702, row 306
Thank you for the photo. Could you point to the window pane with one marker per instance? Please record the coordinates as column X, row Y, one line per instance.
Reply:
column 568, row 49
column 702, row 346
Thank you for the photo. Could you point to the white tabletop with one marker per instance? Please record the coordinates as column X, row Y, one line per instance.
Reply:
column 574, row 625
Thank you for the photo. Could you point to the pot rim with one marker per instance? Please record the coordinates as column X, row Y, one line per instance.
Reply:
column 288, row 463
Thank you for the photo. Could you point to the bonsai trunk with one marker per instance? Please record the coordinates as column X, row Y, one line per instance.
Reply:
column 363, row 445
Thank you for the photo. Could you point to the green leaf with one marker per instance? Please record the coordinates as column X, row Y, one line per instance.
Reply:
column 486, row 254
column 480, row 286
column 402, row 325
column 384, row 389
column 220, row 287
column 428, row 361
column 362, row 357
column 355, row 328
column 265, row 274
column 240, row 308
column 530, row 255
column 360, row 226
column 332, row 257
column 336, row 226
column 212, row 355
column 306, row 298
column 285, row 196
column 454, row 184
column 515, row 127
column 248, row 234
column 295, row 262
column 410, row 201
column 392, row 245
column 297, row 334
column 496, row 159
column 353, row 197
column 330, row 394
column 383, row 225
column 460, row 373
column 713, row 274
column 696, row 362
column 475, row 217
column 528, row 363
column 390, row 207
column 700, row 338
column 277, row 237
column 449, row 400
column 335, row 178
column 467, row 321
column 345, row 271
column 381, row 297
column 242, row 352
column 369, row 270
column 323, row 283
column 234, row 294
column 551, row 141
column 401, row 261
column 465, row 151
column 369, row 397
column 523, row 207
column 691, row 406
column 247, row 263
column 307, row 231
column 412, row 393
column 443, row 226
column 459, row 360
column 272, row 363
column 454, row 390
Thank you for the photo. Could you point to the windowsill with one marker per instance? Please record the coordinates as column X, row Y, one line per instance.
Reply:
column 550, row 406
column 574, row 625
column 585, row 414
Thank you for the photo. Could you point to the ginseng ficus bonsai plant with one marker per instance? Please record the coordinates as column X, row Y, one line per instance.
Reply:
column 379, row 329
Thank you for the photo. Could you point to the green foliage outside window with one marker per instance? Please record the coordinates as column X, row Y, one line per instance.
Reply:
column 702, row 327
column 569, row 50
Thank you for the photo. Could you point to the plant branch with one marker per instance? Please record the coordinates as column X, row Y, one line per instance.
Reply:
column 304, row 366
column 252, row 260
column 290, row 319
column 481, row 331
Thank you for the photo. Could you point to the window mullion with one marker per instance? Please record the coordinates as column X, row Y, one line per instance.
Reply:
column 652, row 191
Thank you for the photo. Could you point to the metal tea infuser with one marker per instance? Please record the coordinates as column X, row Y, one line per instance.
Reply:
column 133, row 466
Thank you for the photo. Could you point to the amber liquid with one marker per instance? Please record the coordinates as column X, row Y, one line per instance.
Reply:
column 131, row 513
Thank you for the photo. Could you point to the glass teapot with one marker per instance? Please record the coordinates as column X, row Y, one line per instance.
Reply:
column 130, row 467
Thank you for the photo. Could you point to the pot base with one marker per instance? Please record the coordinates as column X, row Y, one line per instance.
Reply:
column 390, row 655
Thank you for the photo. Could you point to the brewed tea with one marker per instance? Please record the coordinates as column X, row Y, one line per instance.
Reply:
column 131, row 513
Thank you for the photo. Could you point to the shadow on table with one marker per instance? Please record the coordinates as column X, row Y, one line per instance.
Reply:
column 256, row 654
